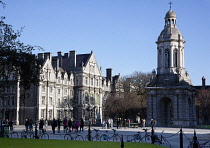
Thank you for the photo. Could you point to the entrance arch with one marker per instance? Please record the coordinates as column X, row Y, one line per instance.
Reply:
column 166, row 112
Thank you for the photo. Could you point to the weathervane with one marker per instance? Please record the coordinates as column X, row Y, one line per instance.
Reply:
column 170, row 4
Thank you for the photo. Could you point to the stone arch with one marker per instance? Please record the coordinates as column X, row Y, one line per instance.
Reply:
column 166, row 111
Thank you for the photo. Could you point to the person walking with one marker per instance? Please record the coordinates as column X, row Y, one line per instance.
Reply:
column 59, row 124
column 54, row 125
column 46, row 124
column 69, row 125
column 41, row 124
column 81, row 125
column 65, row 124
column 26, row 125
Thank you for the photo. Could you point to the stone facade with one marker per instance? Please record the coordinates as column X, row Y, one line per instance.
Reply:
column 171, row 100
column 71, row 86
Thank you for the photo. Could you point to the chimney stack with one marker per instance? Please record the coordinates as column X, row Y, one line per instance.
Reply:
column 109, row 74
column 72, row 58
column 203, row 81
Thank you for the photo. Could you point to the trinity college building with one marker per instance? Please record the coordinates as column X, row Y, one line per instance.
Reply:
column 71, row 86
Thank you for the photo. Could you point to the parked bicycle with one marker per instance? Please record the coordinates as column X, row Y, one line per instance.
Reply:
column 12, row 134
column 161, row 140
column 114, row 137
column 27, row 134
column 146, row 138
column 134, row 138
column 97, row 136
column 73, row 136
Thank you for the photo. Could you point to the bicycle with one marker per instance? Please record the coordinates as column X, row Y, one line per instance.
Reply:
column 69, row 136
column 161, row 140
column 11, row 134
column 97, row 136
column 114, row 137
column 146, row 138
column 133, row 138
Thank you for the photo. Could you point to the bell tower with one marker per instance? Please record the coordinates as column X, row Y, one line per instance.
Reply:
column 170, row 92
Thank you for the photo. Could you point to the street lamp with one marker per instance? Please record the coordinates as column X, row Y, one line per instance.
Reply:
column 89, row 132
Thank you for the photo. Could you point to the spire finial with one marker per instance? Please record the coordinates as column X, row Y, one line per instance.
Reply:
column 170, row 4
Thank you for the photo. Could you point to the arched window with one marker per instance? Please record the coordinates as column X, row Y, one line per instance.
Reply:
column 175, row 58
column 167, row 58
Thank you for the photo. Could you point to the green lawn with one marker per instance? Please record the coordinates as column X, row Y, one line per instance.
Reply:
column 42, row 143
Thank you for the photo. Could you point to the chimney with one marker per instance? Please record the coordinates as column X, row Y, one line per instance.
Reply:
column 60, row 58
column 203, row 81
column 72, row 58
column 41, row 56
column 109, row 74
column 48, row 55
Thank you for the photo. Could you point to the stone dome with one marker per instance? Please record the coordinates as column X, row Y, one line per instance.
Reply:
column 170, row 14
column 170, row 33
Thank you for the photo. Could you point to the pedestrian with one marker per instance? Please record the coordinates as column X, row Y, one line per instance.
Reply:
column 46, row 124
column 77, row 125
column 26, row 125
column 10, row 125
column 143, row 123
column 65, row 124
column 41, row 124
column 54, row 125
column 69, row 125
column 103, row 124
column 59, row 124
column 30, row 125
column 81, row 125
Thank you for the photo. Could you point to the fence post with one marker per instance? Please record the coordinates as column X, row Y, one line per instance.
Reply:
column 181, row 138
column 122, row 142
column 195, row 141
column 152, row 136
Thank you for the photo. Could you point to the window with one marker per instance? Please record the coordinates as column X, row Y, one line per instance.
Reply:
column 50, row 100
column 42, row 113
column 59, row 91
column 175, row 58
column 86, row 80
column 43, row 100
column 96, row 82
column 167, row 58
column 13, row 100
column 65, row 92
column 8, row 88
column 13, row 89
column 91, row 81
column 59, row 79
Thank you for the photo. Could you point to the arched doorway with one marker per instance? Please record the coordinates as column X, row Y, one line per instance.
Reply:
column 166, row 112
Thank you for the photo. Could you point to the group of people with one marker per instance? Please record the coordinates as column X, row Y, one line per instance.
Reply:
column 107, row 124
column 68, row 125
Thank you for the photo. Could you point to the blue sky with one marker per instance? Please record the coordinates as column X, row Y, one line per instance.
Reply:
column 121, row 33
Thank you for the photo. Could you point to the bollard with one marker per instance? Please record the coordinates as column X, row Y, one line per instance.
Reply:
column 195, row 141
column 122, row 142
column 181, row 138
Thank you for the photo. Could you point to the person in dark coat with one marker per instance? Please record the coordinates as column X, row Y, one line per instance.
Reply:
column 81, row 125
column 54, row 125
column 69, row 125
column 59, row 124
column 41, row 124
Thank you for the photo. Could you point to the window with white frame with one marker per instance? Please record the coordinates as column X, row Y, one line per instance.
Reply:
column 96, row 82
column 59, row 91
column 65, row 92
column 86, row 80
column 43, row 100
column 91, row 82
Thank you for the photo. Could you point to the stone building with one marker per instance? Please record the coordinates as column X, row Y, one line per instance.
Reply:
column 171, row 96
column 71, row 86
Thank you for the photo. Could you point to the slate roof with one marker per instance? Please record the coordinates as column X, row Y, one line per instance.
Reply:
column 82, row 58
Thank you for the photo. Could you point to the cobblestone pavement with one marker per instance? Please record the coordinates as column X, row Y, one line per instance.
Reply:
column 171, row 134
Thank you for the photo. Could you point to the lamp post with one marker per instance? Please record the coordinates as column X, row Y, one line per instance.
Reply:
column 89, row 132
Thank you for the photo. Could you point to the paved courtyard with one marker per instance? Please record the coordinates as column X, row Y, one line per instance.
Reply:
column 171, row 134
